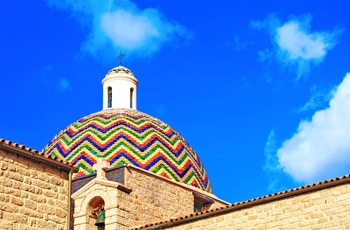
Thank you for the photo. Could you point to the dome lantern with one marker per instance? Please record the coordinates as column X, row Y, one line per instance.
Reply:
column 119, row 88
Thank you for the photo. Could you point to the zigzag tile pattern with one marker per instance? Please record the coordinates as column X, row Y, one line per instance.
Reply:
column 125, row 136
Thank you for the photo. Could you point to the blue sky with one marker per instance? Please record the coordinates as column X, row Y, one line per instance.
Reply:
column 259, row 90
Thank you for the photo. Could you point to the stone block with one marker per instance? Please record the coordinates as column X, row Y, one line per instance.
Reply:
column 44, row 177
column 6, row 224
column 15, row 217
column 24, row 194
column 37, row 190
column 45, row 224
column 56, row 219
column 79, row 220
column 51, row 201
column 41, row 184
column 34, row 174
column 44, row 208
column 17, row 200
column 37, row 198
column 62, row 190
column 11, row 168
column 7, row 183
column 4, row 165
column 61, row 204
column 15, row 176
column 61, row 212
column 8, row 207
column 49, row 193
column 23, row 171
column 24, row 227
column 56, row 181
column 4, row 197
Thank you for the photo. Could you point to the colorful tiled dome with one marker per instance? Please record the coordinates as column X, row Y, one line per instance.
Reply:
column 120, row 69
column 127, row 136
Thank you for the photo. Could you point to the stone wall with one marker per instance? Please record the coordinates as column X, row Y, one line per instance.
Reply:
column 132, row 197
column 91, row 196
column 33, row 195
column 154, row 199
column 328, row 208
column 218, row 204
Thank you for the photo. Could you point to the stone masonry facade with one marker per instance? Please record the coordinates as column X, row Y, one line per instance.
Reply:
column 114, row 200
column 33, row 194
column 133, row 197
column 328, row 208
column 153, row 199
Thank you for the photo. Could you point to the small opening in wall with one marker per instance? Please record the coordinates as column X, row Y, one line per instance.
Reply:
column 96, row 205
column 131, row 97
column 201, row 202
column 109, row 99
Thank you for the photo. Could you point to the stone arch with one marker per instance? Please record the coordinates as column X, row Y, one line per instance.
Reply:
column 90, row 200
column 96, row 193
column 92, row 210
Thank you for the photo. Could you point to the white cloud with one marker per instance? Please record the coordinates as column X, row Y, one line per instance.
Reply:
column 271, row 162
column 127, row 30
column 239, row 44
column 265, row 55
column 61, row 84
column 64, row 84
column 294, row 44
column 277, row 180
column 319, row 98
column 121, row 25
column 299, row 44
column 321, row 147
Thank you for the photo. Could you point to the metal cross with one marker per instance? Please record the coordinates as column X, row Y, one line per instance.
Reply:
column 120, row 57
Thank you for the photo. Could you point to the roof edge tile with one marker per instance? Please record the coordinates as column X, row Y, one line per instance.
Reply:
column 247, row 203
column 33, row 153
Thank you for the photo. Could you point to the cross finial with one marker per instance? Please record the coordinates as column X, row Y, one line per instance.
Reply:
column 100, row 167
column 120, row 57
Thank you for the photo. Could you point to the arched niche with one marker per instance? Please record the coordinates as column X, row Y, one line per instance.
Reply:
column 92, row 210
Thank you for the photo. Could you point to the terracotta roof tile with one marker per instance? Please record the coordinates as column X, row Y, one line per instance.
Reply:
column 243, row 204
column 34, row 152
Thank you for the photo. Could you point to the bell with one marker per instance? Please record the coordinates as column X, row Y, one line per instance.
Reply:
column 100, row 218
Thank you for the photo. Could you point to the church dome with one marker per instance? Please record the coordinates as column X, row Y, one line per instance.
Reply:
column 127, row 136
column 120, row 70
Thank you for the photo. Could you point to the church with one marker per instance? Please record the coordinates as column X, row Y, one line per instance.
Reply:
column 120, row 168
